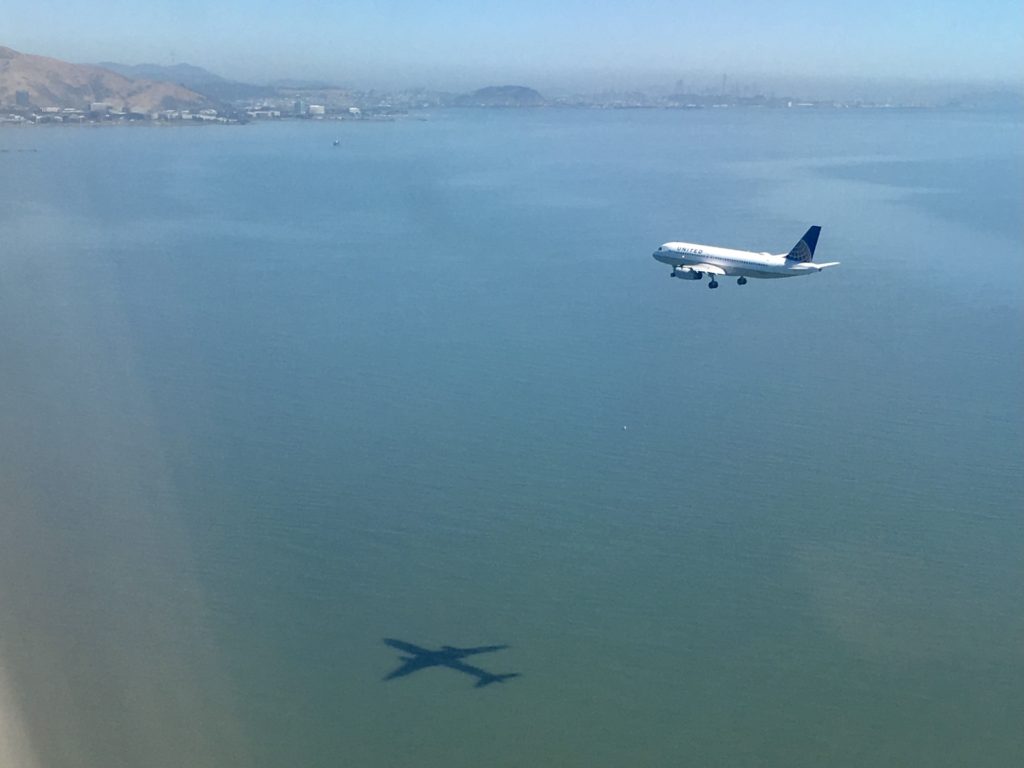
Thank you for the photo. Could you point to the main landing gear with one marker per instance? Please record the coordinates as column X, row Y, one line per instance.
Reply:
column 741, row 281
column 713, row 283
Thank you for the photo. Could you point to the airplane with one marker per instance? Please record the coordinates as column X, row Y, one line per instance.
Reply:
column 691, row 261
column 421, row 658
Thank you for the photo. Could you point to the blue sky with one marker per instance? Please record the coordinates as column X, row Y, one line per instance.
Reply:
column 468, row 44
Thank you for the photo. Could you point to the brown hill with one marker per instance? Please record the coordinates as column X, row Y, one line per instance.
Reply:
column 54, row 83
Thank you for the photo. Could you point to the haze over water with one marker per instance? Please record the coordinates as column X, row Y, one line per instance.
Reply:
column 265, row 402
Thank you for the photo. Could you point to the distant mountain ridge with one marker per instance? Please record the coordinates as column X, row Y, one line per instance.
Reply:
column 502, row 96
column 54, row 83
column 148, row 88
column 202, row 81
column 187, row 75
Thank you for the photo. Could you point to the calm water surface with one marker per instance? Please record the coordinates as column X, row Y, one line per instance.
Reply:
column 265, row 402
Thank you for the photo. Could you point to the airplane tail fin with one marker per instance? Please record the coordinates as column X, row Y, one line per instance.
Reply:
column 804, row 250
column 494, row 679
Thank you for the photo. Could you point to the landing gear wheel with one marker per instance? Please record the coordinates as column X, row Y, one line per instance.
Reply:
column 713, row 284
column 741, row 281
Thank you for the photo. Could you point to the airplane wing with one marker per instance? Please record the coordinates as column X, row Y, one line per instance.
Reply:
column 470, row 651
column 469, row 669
column 494, row 679
column 410, row 666
column 404, row 646
column 711, row 269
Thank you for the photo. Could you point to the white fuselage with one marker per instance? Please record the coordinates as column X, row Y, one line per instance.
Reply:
column 732, row 262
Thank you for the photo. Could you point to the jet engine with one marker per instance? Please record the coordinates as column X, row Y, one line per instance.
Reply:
column 686, row 273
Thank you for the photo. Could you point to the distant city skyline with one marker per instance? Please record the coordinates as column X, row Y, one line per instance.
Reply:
column 565, row 46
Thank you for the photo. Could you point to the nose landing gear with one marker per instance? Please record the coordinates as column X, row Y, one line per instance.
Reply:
column 741, row 281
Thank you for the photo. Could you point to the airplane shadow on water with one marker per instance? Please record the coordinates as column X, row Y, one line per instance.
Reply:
column 421, row 658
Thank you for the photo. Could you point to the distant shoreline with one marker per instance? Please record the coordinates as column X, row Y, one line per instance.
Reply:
column 15, row 120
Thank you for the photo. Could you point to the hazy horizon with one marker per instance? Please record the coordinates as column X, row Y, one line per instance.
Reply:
column 593, row 82
column 571, row 47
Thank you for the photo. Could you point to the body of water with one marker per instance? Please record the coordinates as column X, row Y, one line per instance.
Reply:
column 266, row 401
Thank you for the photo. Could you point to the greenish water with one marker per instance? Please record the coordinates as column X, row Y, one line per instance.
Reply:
column 265, row 402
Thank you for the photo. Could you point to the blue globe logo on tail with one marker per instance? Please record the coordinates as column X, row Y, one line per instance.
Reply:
column 804, row 250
